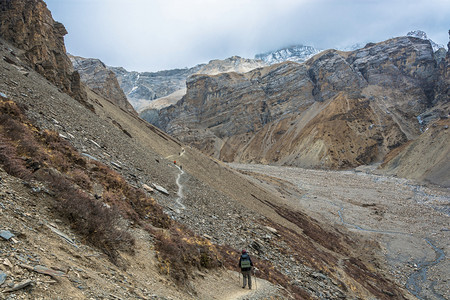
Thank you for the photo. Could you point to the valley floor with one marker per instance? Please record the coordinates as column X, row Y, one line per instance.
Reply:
column 411, row 222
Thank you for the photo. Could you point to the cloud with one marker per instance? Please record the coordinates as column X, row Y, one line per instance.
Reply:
column 161, row 34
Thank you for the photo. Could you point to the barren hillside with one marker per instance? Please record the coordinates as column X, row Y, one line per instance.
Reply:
column 82, row 165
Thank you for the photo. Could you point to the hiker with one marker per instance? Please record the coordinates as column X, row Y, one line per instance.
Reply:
column 245, row 263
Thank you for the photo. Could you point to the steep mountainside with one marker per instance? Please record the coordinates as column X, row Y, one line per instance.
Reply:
column 77, row 205
column 100, row 79
column 337, row 110
column 24, row 24
column 428, row 157
column 297, row 53
column 142, row 89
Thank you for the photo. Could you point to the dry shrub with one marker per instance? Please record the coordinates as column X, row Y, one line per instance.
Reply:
column 180, row 251
column 62, row 154
column 10, row 162
column 81, row 178
column 133, row 202
column 10, row 108
column 89, row 217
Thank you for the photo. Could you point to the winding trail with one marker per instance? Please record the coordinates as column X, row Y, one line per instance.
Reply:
column 180, row 189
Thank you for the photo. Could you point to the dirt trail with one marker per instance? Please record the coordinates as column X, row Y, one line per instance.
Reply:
column 410, row 221
column 228, row 286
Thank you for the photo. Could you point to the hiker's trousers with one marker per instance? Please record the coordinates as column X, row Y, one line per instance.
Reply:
column 247, row 275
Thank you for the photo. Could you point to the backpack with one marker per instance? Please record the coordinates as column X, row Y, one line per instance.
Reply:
column 245, row 262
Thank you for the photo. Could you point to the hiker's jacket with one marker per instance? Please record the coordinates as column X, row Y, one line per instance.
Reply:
column 245, row 262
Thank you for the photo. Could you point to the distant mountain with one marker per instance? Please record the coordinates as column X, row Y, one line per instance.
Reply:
column 335, row 111
column 142, row 88
column 296, row 53
column 422, row 35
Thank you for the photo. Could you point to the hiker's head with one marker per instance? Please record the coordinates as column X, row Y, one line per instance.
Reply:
column 244, row 251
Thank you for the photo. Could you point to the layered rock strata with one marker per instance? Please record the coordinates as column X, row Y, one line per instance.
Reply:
column 338, row 110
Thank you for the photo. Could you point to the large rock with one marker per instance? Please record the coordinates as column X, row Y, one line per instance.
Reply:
column 337, row 110
column 29, row 26
column 101, row 80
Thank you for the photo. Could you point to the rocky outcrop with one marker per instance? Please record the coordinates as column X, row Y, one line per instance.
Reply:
column 142, row 89
column 337, row 110
column 29, row 26
column 101, row 80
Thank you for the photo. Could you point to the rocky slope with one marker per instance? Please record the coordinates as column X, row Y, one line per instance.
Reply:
column 25, row 24
column 337, row 110
column 309, row 259
column 100, row 79
column 427, row 157
column 297, row 53
column 142, row 89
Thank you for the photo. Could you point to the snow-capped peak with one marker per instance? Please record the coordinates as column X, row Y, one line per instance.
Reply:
column 296, row 53
column 422, row 35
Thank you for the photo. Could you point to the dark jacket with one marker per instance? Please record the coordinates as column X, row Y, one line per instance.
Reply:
column 245, row 256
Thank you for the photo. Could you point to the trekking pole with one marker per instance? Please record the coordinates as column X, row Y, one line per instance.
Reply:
column 239, row 275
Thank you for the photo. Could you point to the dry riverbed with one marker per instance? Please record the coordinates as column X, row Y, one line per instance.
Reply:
column 410, row 221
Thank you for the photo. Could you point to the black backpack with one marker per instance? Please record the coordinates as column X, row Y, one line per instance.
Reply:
column 245, row 261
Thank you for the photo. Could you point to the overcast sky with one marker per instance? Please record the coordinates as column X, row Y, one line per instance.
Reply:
column 151, row 35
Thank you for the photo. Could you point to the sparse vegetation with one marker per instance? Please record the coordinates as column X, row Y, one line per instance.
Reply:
column 30, row 153
column 180, row 251
column 24, row 149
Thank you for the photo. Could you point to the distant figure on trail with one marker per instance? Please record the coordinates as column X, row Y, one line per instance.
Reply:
column 245, row 263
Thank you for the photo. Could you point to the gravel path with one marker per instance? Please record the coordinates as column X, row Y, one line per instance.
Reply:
column 410, row 221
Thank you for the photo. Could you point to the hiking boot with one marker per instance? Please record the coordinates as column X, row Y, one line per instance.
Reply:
column 243, row 287
column 249, row 287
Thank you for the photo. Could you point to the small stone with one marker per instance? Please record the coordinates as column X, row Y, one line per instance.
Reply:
column 271, row 229
column 207, row 236
column 19, row 286
column 114, row 164
column 6, row 234
column 3, row 277
column 160, row 189
column 147, row 188
column 6, row 262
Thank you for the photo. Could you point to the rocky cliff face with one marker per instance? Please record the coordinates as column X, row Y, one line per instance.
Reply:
column 297, row 53
column 29, row 26
column 101, row 80
column 142, row 89
column 337, row 110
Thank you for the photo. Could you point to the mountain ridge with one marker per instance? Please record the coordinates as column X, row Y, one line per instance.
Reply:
column 142, row 88
column 354, row 85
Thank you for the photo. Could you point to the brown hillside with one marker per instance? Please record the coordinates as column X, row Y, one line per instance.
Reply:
column 82, row 170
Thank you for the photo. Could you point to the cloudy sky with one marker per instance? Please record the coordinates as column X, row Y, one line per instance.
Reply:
column 151, row 35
